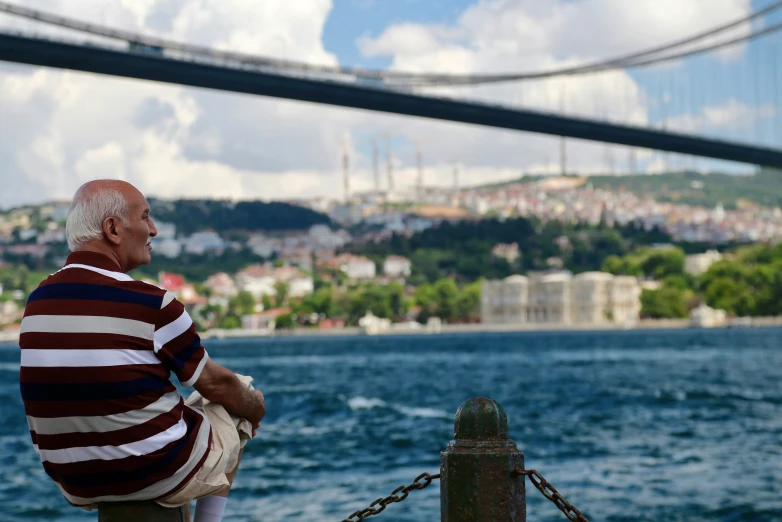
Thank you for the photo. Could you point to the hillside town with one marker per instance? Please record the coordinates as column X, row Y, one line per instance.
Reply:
column 574, row 199
column 289, row 265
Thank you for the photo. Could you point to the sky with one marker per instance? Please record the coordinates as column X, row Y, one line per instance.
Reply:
column 59, row 129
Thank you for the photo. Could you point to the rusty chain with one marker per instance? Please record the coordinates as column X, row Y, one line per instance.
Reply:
column 552, row 494
column 393, row 497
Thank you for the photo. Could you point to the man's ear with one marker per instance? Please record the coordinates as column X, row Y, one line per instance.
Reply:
column 112, row 229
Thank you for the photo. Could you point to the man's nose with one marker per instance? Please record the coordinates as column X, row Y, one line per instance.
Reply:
column 152, row 228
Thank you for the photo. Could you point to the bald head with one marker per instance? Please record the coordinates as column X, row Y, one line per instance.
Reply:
column 94, row 188
column 92, row 204
column 111, row 217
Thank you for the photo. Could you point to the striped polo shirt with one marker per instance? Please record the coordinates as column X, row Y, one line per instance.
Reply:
column 97, row 352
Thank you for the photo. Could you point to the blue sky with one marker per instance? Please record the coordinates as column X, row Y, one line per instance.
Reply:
column 351, row 19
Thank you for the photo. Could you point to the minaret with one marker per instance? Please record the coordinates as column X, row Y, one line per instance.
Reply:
column 419, row 164
column 389, row 166
column 346, row 171
column 562, row 156
column 456, row 201
column 376, row 165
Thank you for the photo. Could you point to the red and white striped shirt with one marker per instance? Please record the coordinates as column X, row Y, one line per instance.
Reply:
column 97, row 352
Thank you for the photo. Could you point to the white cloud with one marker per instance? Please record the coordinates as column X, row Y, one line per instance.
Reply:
column 733, row 114
column 59, row 128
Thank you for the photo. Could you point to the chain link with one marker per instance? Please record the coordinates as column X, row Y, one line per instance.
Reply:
column 552, row 494
column 380, row 504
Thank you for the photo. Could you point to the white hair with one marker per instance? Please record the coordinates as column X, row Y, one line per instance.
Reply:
column 89, row 210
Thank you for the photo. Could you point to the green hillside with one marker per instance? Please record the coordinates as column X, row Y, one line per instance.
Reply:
column 192, row 215
column 692, row 188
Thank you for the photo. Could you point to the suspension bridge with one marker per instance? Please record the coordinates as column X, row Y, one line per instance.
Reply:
column 430, row 95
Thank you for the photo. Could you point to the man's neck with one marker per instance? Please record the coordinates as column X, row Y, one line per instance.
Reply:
column 102, row 250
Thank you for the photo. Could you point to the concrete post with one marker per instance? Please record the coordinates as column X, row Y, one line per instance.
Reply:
column 477, row 483
column 136, row 511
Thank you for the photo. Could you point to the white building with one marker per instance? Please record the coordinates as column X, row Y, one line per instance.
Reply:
column 505, row 301
column 300, row 286
column 263, row 321
column 9, row 312
column 202, row 242
column 261, row 280
column 27, row 234
column 625, row 300
column 506, row 251
column 356, row 267
column 696, row 264
column 257, row 280
column 372, row 325
column 396, row 266
column 559, row 298
column 549, row 300
column 56, row 235
column 598, row 297
column 221, row 284
column 165, row 230
column 170, row 248
column 323, row 238
column 591, row 295
column 704, row 316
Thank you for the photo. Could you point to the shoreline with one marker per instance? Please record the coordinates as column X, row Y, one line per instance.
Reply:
column 474, row 328
column 478, row 328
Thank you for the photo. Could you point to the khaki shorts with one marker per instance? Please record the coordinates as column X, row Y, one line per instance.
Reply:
column 229, row 435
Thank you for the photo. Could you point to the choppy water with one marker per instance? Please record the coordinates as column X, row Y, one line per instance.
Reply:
column 629, row 426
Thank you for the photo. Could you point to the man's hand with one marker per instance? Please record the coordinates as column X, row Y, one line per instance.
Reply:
column 262, row 402
column 222, row 386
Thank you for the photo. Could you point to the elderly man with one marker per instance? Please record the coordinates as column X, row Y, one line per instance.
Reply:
column 98, row 348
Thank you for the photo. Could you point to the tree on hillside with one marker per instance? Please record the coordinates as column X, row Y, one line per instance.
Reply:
column 733, row 296
column 242, row 304
column 665, row 303
column 447, row 294
column 469, row 300
column 281, row 290
column 221, row 216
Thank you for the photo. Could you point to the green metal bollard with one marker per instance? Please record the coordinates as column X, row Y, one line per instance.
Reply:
column 147, row 511
column 477, row 483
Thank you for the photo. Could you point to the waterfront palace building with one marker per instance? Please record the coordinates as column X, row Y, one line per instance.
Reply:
column 590, row 298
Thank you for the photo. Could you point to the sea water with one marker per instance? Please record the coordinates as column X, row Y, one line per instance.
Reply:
column 659, row 426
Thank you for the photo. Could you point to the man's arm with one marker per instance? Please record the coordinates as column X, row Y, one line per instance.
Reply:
column 222, row 386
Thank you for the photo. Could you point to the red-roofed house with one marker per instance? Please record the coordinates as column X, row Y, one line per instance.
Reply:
column 264, row 320
column 171, row 282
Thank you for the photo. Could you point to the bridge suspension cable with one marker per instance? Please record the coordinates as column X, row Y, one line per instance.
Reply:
column 402, row 78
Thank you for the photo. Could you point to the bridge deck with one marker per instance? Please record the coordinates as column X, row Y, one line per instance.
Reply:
column 158, row 67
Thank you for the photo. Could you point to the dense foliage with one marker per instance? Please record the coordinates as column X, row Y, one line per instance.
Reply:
column 191, row 215
column 462, row 250
column 748, row 282
column 352, row 301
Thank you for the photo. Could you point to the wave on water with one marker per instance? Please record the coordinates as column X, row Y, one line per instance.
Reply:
column 706, row 394
column 363, row 403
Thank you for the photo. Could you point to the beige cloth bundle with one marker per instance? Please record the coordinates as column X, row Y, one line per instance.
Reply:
column 229, row 435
